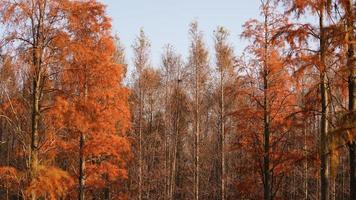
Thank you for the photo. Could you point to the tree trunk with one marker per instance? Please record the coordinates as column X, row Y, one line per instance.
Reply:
column 266, row 132
column 266, row 146
column 35, row 123
column 166, row 148
column 222, row 132
column 196, row 138
column 140, row 144
column 81, row 167
column 107, row 195
column 81, row 194
column 324, row 158
column 36, row 98
column 306, row 161
column 352, row 90
column 352, row 151
column 175, row 146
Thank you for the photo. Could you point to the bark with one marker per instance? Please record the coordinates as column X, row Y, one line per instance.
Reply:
column 352, row 151
column 352, row 90
column 266, row 146
column 166, row 148
column 324, row 158
column 81, row 193
column 196, row 138
column 140, row 143
column 107, row 195
column 266, row 124
column 306, row 161
column 174, row 166
column 222, row 132
column 37, row 84
column 35, row 123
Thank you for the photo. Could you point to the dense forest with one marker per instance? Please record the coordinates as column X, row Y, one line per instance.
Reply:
column 79, row 121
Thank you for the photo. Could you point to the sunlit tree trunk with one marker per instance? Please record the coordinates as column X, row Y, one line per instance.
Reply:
column 266, row 120
column 37, row 85
column 82, row 157
column 324, row 158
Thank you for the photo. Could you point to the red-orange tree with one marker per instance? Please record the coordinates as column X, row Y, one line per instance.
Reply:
column 30, row 28
column 270, row 98
column 72, row 100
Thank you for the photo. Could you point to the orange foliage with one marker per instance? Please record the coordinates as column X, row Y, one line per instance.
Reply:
column 51, row 183
column 9, row 177
column 92, row 101
column 78, row 64
column 268, row 86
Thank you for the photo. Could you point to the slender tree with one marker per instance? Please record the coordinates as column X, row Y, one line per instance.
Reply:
column 350, row 62
column 198, row 60
column 141, row 61
column 225, row 62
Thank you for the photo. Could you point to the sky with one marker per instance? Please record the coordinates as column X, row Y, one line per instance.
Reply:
column 167, row 22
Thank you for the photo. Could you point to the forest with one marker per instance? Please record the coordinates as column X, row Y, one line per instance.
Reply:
column 275, row 122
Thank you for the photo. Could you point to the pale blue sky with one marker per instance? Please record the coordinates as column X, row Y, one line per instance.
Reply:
column 167, row 21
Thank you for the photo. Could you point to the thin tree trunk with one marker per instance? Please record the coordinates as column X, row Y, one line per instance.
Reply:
column 166, row 149
column 324, row 158
column 107, row 195
column 175, row 163
column 342, row 178
column 35, row 123
column 81, row 194
column 222, row 132
column 196, row 138
column 37, row 86
column 81, row 167
column 266, row 158
column 140, row 144
column 266, row 133
column 305, row 162
column 36, row 98
column 352, row 90
column 352, row 151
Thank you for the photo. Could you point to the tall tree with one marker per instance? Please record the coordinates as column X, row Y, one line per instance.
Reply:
column 272, row 98
column 141, row 61
column 198, row 60
column 225, row 62
column 350, row 62
column 303, row 32
column 94, row 107
column 174, row 95
column 30, row 30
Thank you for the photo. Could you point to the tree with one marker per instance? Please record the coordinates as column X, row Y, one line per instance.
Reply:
column 271, row 97
column 348, row 6
column 94, row 108
column 174, row 120
column 141, row 61
column 31, row 27
column 303, row 32
column 225, row 63
column 198, row 60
